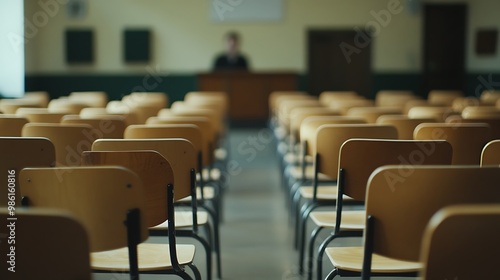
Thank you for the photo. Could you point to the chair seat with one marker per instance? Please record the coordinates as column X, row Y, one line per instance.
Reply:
column 296, row 173
column 326, row 192
column 351, row 220
column 151, row 257
column 351, row 259
column 208, row 193
column 184, row 219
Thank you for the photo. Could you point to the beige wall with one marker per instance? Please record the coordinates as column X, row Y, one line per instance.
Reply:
column 186, row 39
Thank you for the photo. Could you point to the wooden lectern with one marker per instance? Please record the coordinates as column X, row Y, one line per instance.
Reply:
column 248, row 92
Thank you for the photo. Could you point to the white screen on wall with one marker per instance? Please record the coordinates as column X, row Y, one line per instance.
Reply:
column 11, row 48
column 246, row 10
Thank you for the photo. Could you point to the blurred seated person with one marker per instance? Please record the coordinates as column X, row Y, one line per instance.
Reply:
column 232, row 59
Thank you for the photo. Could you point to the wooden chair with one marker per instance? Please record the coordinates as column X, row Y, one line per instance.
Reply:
column 67, row 105
column 11, row 125
column 438, row 113
column 182, row 155
column 328, row 139
column 344, row 105
column 108, row 127
column 491, row 154
column 490, row 96
column 18, row 153
column 69, row 140
column 358, row 158
column 393, row 97
column 467, row 139
column 403, row 124
column 95, row 99
column 89, row 113
column 204, row 194
column 399, row 206
column 40, row 115
column 460, row 103
column 156, row 99
column 40, row 97
column 10, row 106
column 41, row 236
column 493, row 122
column 443, row 97
column 116, row 230
column 326, row 97
column 371, row 114
column 461, row 242
column 476, row 112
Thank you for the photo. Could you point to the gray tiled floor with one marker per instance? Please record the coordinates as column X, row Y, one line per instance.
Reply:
column 256, row 235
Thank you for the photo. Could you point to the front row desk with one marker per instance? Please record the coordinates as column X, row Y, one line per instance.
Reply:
column 248, row 92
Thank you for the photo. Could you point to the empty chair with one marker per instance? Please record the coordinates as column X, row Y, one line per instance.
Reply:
column 461, row 242
column 40, row 115
column 403, row 124
column 467, row 140
column 460, row 103
column 11, row 125
column 154, row 99
column 129, row 117
column 41, row 97
column 328, row 96
column 393, row 97
column 97, row 99
column 443, row 97
column 110, row 126
column 41, row 235
column 345, row 104
column 18, row 153
column 66, row 105
column 438, row 113
column 110, row 202
column 10, row 106
column 399, row 206
column 476, row 112
column 371, row 114
column 493, row 122
column 490, row 96
column 69, row 140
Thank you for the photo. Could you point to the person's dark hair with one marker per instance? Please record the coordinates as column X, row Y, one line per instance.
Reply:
column 233, row 35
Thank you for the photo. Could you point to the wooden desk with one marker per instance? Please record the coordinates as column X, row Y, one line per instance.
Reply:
column 248, row 92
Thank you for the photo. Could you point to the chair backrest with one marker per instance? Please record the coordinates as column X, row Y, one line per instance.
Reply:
column 493, row 122
column 41, row 97
column 371, row 114
column 41, row 115
column 326, row 97
column 10, row 106
column 189, row 132
column 69, row 140
column 393, row 97
column 477, row 112
column 329, row 138
column 403, row 124
column 360, row 157
column 41, row 235
column 213, row 116
column 439, row 113
column 467, row 140
column 491, row 153
column 309, row 126
column 100, row 197
column 106, row 126
column 11, row 125
column 343, row 105
column 490, row 96
column 154, row 171
column 156, row 99
column 96, row 99
column 18, row 153
column 443, row 97
column 401, row 205
column 90, row 113
column 203, row 123
column 179, row 152
column 298, row 115
column 461, row 242
column 67, row 105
